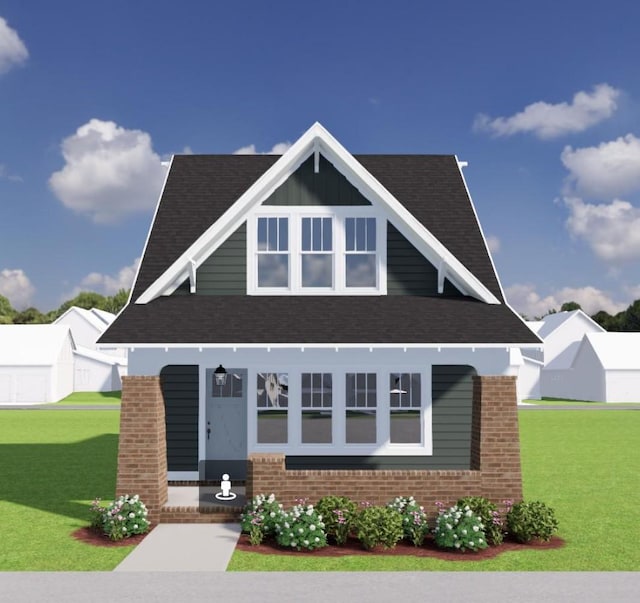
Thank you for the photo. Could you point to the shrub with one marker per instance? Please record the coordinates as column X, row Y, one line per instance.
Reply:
column 529, row 520
column 338, row 514
column 122, row 518
column 301, row 528
column 459, row 528
column 414, row 519
column 259, row 517
column 378, row 525
column 489, row 516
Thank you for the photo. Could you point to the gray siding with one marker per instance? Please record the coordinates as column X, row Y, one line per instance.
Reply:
column 452, row 392
column 180, row 391
column 327, row 187
column 408, row 271
column 225, row 271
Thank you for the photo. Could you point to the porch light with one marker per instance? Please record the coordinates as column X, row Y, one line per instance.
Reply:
column 220, row 375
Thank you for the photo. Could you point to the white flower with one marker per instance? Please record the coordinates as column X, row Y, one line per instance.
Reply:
column 471, row 543
column 469, row 513
column 135, row 526
column 312, row 527
column 464, row 532
column 475, row 528
column 132, row 515
column 306, row 543
column 317, row 539
column 310, row 511
column 272, row 514
column 457, row 545
column 300, row 530
column 286, row 524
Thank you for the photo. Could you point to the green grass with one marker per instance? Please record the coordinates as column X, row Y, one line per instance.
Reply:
column 53, row 463
column 562, row 402
column 583, row 464
column 91, row 398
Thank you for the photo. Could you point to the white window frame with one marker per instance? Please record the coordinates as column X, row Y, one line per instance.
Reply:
column 295, row 215
column 382, row 446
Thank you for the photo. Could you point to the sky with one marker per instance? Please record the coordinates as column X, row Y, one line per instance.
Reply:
column 542, row 99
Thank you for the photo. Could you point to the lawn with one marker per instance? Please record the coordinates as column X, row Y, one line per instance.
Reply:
column 561, row 402
column 584, row 464
column 53, row 463
column 91, row 398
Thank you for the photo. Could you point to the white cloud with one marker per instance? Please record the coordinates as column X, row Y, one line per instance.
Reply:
column 524, row 299
column 550, row 121
column 493, row 243
column 16, row 287
column 605, row 171
column 278, row 149
column 107, row 284
column 12, row 49
column 612, row 230
column 110, row 172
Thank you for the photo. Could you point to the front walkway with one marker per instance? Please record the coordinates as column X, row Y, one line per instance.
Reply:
column 184, row 547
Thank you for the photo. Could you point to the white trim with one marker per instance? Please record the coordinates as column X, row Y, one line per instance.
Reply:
column 317, row 137
column 338, row 214
column 329, row 346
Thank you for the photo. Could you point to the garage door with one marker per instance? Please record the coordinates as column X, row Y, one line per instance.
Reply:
column 31, row 388
column 5, row 389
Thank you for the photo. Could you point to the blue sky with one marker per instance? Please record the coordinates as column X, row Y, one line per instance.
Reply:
column 542, row 99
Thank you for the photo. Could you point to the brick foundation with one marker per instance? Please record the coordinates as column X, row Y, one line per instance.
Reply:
column 142, row 447
column 495, row 463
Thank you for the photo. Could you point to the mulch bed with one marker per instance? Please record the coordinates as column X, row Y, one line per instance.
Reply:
column 428, row 549
column 98, row 538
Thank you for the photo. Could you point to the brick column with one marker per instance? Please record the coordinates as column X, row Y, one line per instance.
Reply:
column 495, row 437
column 142, row 446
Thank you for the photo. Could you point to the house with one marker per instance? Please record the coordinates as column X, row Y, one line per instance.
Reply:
column 562, row 333
column 95, row 370
column 605, row 367
column 36, row 363
column 319, row 322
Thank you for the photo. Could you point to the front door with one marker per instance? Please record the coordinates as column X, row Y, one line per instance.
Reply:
column 226, row 426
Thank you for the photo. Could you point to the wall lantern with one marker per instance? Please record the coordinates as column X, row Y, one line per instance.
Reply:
column 221, row 375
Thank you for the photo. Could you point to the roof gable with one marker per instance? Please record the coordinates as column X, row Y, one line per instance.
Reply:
column 32, row 345
column 616, row 351
column 317, row 142
column 86, row 315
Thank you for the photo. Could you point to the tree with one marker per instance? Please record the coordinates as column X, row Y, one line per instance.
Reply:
column 85, row 299
column 570, row 307
column 6, row 311
column 604, row 319
column 30, row 316
column 631, row 320
column 116, row 302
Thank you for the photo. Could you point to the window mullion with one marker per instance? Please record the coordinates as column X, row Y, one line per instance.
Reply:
column 339, row 253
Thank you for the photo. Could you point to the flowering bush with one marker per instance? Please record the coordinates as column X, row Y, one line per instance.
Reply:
column 378, row 525
column 124, row 517
column 459, row 528
column 414, row 519
column 489, row 516
column 529, row 520
column 260, row 516
column 338, row 514
column 301, row 528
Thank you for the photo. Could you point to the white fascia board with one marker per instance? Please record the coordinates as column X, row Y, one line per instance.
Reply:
column 327, row 346
column 231, row 219
column 404, row 221
column 146, row 243
column 317, row 137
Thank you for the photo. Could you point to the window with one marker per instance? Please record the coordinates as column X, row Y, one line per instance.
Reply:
column 273, row 252
column 360, row 252
column 272, row 405
column 317, row 402
column 317, row 252
column 405, row 408
column 360, row 406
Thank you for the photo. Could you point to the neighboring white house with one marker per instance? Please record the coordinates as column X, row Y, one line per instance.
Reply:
column 36, row 363
column 96, row 370
column 604, row 368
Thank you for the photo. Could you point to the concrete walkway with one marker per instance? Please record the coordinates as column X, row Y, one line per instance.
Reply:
column 184, row 547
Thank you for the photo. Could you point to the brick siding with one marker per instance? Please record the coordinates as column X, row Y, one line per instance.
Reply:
column 142, row 446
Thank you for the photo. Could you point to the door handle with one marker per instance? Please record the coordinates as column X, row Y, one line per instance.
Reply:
column 208, row 430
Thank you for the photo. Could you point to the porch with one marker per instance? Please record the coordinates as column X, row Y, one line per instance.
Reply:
column 193, row 502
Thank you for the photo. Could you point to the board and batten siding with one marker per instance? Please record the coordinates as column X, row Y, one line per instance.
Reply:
column 408, row 271
column 180, row 390
column 327, row 187
column 452, row 403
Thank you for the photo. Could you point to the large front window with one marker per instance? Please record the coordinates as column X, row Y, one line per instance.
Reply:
column 331, row 250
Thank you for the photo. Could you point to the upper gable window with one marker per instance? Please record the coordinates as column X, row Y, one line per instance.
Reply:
column 319, row 251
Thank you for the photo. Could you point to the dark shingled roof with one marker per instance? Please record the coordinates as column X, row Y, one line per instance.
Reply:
column 200, row 188
column 317, row 319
